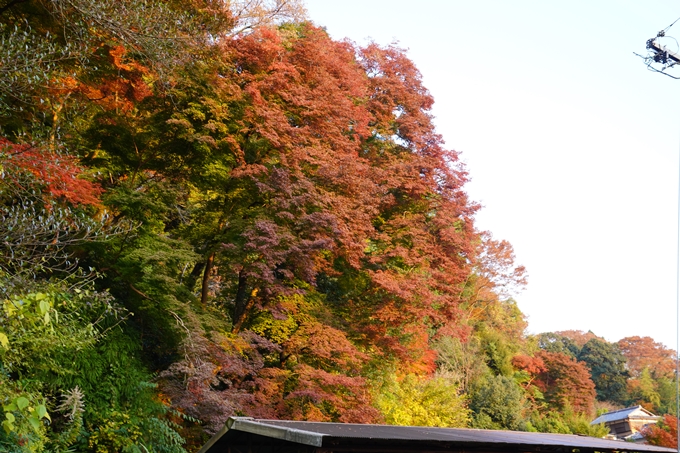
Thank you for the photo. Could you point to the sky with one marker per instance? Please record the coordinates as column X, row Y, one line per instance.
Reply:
column 571, row 143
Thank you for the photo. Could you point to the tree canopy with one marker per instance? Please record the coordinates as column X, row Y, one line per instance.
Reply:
column 213, row 208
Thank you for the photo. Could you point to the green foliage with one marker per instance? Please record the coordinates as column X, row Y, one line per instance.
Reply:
column 414, row 401
column 22, row 418
column 497, row 402
column 498, row 352
column 666, row 389
column 69, row 342
column 608, row 369
column 553, row 342
column 462, row 361
column 565, row 422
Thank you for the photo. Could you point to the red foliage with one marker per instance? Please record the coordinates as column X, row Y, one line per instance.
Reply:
column 422, row 245
column 61, row 175
column 303, row 101
column 322, row 396
column 351, row 160
column 566, row 382
column 664, row 433
column 214, row 382
column 497, row 269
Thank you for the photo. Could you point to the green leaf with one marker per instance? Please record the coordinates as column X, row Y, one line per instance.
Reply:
column 8, row 426
column 35, row 423
column 22, row 402
column 4, row 341
column 10, row 417
column 44, row 307
column 10, row 407
column 41, row 410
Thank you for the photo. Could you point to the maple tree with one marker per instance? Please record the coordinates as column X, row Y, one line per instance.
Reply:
column 644, row 352
column 293, row 237
column 61, row 176
column 664, row 433
column 565, row 382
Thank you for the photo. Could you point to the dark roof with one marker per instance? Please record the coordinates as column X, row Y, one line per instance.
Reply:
column 268, row 436
column 622, row 414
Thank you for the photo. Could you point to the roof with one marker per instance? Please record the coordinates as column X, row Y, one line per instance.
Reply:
column 268, row 436
column 636, row 412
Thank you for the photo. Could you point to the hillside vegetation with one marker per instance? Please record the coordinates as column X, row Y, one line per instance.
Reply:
column 212, row 208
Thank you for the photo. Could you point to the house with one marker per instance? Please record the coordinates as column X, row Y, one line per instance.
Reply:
column 626, row 423
column 247, row 435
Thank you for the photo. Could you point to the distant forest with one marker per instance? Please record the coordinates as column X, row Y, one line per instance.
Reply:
column 210, row 208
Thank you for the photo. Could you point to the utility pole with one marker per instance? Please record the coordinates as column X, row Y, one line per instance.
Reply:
column 661, row 55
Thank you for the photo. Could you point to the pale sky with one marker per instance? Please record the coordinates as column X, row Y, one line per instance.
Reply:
column 571, row 143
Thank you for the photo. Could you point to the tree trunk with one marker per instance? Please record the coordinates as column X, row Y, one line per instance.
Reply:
column 242, row 304
column 206, row 278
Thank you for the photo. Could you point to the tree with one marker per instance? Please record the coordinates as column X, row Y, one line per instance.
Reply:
column 422, row 244
column 608, row 369
column 553, row 342
column 497, row 275
column 414, row 401
column 497, row 402
column 461, row 361
column 663, row 433
column 644, row 352
column 579, row 337
column 566, row 422
column 566, row 383
column 642, row 391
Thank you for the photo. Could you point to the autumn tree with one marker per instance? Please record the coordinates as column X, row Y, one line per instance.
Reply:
column 418, row 401
column 566, row 383
column 496, row 276
column 644, row 352
column 45, row 199
column 291, row 230
column 579, row 337
column 664, row 433
column 421, row 246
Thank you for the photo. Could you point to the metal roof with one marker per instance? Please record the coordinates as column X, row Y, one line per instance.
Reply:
column 623, row 414
column 268, row 436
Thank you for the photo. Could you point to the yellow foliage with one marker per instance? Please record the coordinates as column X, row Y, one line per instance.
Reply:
column 277, row 330
column 107, row 438
column 415, row 401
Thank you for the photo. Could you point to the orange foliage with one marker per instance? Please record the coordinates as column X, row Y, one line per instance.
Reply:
column 644, row 352
column 361, row 165
column 121, row 90
column 663, row 434
column 532, row 365
column 579, row 337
